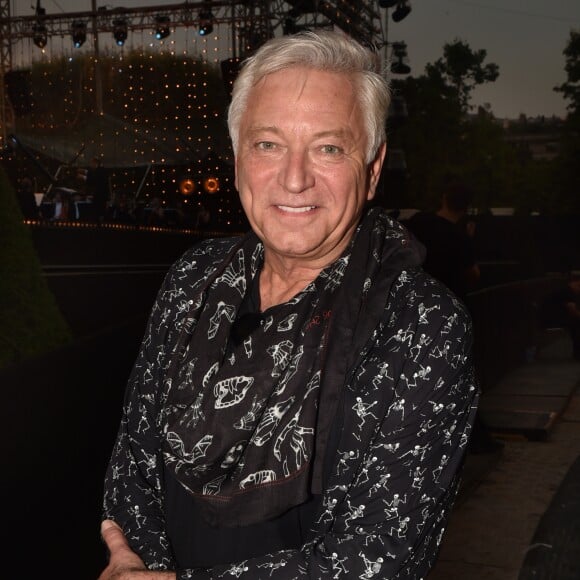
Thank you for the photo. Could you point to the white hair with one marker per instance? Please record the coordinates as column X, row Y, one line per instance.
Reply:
column 325, row 51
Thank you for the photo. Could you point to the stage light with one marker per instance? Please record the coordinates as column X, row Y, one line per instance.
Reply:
column 186, row 186
column 120, row 31
column 79, row 33
column 40, row 35
column 205, row 22
column 162, row 31
column 211, row 184
column 401, row 11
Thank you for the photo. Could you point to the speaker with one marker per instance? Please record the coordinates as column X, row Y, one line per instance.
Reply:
column 19, row 90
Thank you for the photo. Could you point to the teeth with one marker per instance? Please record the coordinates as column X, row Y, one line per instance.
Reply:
column 296, row 209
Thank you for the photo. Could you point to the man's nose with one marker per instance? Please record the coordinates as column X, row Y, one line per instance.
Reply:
column 296, row 173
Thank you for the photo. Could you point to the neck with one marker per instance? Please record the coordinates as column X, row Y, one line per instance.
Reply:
column 280, row 282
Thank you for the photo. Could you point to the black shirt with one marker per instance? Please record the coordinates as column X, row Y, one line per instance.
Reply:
column 195, row 543
column 449, row 249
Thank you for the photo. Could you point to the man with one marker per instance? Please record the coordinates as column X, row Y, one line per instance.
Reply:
column 449, row 241
column 303, row 397
column 450, row 258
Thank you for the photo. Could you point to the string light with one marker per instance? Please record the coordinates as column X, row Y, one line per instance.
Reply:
column 161, row 111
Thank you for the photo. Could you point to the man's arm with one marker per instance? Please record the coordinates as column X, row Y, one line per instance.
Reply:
column 124, row 564
column 134, row 491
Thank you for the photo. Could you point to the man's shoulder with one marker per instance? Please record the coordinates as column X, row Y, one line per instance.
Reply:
column 419, row 291
column 211, row 248
column 204, row 253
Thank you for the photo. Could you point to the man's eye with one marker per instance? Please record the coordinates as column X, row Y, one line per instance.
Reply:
column 265, row 145
column 331, row 149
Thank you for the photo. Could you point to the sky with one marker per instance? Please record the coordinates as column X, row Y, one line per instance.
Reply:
column 526, row 38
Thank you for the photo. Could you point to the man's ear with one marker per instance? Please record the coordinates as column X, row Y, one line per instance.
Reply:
column 375, row 168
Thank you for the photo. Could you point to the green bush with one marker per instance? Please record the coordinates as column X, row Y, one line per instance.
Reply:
column 30, row 321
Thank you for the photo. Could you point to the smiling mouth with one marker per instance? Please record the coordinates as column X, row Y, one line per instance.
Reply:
column 301, row 209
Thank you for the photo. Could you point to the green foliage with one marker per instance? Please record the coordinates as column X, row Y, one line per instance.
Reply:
column 463, row 69
column 567, row 176
column 439, row 138
column 30, row 322
column 430, row 135
column 571, row 88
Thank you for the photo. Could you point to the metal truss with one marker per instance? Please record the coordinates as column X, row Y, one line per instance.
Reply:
column 253, row 21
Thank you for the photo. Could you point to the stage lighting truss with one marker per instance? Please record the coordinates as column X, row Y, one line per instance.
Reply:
column 79, row 33
column 120, row 31
column 361, row 20
column 250, row 23
column 163, row 29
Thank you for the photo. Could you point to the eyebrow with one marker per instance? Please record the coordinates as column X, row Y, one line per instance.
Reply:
column 338, row 133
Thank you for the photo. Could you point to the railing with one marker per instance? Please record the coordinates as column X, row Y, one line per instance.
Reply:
column 506, row 325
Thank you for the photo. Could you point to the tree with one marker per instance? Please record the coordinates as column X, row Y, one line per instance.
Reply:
column 429, row 135
column 463, row 68
column 571, row 88
column 30, row 320
column 566, row 175
column 438, row 136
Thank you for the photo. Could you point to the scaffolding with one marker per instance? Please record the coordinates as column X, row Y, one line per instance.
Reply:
column 250, row 22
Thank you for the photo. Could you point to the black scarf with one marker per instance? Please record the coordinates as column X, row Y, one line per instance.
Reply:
column 243, row 432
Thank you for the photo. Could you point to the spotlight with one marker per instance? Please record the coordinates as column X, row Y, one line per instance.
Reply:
column 186, row 186
column 120, row 31
column 40, row 35
column 211, row 184
column 79, row 33
column 401, row 11
column 205, row 22
column 162, row 31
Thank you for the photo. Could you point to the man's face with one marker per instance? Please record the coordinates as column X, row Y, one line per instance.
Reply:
column 300, row 167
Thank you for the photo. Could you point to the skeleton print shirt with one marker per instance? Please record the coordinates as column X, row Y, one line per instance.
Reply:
column 404, row 416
